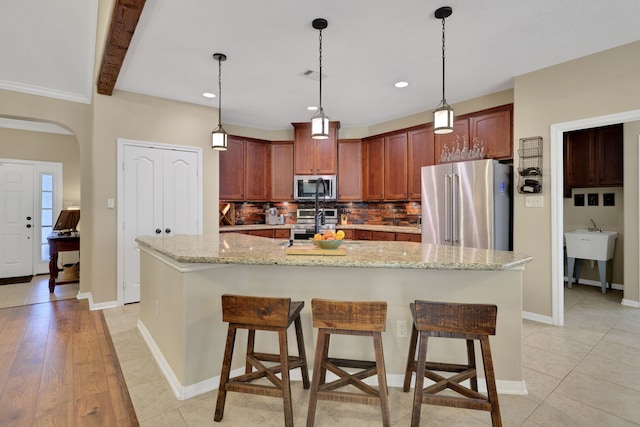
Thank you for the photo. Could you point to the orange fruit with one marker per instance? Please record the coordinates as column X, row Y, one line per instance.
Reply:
column 328, row 234
column 317, row 236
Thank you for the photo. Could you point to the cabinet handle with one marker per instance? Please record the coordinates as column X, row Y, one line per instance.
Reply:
column 167, row 230
column 158, row 231
column 28, row 225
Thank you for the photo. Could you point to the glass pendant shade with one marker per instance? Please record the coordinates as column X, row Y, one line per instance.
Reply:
column 219, row 139
column 443, row 119
column 320, row 125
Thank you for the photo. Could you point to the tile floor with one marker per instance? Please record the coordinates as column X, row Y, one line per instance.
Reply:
column 583, row 374
column 35, row 292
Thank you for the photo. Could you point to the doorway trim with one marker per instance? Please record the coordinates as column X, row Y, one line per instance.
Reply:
column 557, row 226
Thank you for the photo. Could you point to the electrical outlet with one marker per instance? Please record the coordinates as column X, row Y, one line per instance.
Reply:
column 401, row 329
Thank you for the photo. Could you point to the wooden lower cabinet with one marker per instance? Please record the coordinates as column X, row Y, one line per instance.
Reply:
column 383, row 236
column 408, row 237
column 363, row 235
column 281, row 233
column 348, row 234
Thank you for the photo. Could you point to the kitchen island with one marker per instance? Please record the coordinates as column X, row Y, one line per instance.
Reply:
column 183, row 277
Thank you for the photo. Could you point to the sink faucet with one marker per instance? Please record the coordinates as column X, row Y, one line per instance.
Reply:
column 595, row 227
column 319, row 215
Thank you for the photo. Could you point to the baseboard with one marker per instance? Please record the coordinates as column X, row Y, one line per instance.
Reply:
column 96, row 306
column 630, row 303
column 537, row 317
column 589, row 282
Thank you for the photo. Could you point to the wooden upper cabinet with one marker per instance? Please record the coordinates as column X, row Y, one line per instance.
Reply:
column 593, row 158
column 282, row 171
column 315, row 156
column 350, row 170
column 232, row 170
column 245, row 170
column 460, row 127
column 420, row 144
column 373, row 166
column 395, row 168
column 494, row 128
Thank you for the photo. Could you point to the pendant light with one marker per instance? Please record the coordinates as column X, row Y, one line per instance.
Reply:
column 219, row 135
column 320, row 122
column 443, row 115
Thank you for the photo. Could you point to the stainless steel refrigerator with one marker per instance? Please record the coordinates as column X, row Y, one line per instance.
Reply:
column 467, row 204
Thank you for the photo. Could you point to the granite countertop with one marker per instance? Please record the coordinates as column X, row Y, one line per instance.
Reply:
column 234, row 248
column 391, row 228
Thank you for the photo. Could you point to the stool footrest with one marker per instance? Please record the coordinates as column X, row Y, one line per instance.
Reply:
column 347, row 397
column 260, row 390
column 457, row 402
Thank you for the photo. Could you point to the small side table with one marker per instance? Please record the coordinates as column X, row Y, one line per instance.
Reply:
column 60, row 243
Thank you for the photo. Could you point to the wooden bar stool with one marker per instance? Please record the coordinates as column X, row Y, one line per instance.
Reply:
column 450, row 320
column 348, row 318
column 262, row 314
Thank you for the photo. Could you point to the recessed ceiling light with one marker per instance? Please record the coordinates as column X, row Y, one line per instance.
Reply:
column 209, row 95
column 401, row 84
column 312, row 108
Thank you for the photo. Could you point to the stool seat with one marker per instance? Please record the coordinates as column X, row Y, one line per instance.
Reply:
column 348, row 318
column 262, row 314
column 469, row 322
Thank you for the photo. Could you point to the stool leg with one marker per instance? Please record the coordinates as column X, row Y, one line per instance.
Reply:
column 471, row 362
column 316, row 380
column 411, row 358
column 325, row 357
column 382, row 379
column 492, row 391
column 251, row 340
column 302, row 353
column 286, row 384
column 419, row 386
column 224, row 374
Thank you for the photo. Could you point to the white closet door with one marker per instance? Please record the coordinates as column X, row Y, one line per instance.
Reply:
column 181, row 201
column 143, row 206
column 162, row 197
column 16, row 219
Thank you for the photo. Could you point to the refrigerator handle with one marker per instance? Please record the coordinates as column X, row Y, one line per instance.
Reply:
column 455, row 233
column 447, row 207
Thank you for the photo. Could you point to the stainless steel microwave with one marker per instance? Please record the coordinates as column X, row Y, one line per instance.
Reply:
column 305, row 187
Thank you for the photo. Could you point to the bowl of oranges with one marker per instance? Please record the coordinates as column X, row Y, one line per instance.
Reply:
column 328, row 239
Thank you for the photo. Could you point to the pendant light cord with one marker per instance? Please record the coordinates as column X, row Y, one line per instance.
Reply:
column 320, row 50
column 443, row 74
column 220, row 91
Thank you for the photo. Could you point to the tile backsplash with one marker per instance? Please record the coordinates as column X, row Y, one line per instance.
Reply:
column 401, row 213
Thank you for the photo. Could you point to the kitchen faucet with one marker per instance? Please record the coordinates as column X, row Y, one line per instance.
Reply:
column 595, row 227
column 319, row 215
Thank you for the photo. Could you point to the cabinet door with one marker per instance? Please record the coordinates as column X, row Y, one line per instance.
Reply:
column 325, row 153
column 494, row 129
column 282, row 171
column 373, row 165
column 395, row 172
column 460, row 128
column 350, row 170
column 257, row 171
column 609, row 150
column 232, row 170
column 421, row 153
column 579, row 170
column 363, row 235
column 304, row 150
column 408, row 237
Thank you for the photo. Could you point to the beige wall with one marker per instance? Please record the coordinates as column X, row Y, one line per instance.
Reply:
column 587, row 87
column 46, row 147
column 631, row 214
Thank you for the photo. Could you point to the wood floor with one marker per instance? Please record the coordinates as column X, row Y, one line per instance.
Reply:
column 58, row 367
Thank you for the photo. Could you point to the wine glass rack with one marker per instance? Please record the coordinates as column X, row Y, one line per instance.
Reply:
column 530, row 168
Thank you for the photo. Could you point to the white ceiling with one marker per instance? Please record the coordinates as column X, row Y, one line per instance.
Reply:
column 46, row 48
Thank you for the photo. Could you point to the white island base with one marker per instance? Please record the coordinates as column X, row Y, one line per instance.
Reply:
column 181, row 319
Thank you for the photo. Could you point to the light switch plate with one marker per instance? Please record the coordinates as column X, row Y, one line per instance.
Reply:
column 533, row 202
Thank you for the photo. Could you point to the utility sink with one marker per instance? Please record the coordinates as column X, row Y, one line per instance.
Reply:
column 587, row 244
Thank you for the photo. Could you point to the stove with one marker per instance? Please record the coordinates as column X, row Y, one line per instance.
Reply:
column 304, row 228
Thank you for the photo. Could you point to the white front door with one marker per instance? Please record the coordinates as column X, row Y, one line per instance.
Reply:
column 16, row 219
column 161, row 196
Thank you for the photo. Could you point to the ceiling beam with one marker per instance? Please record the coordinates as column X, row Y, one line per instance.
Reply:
column 126, row 14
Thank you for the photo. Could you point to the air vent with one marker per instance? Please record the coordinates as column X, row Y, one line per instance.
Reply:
column 313, row 75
